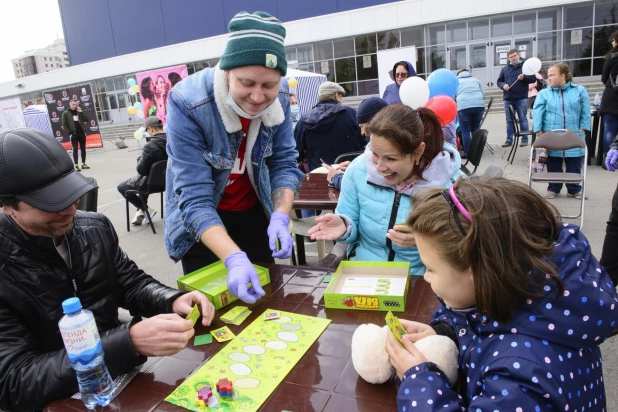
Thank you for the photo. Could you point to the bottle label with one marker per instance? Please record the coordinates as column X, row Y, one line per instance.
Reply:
column 82, row 343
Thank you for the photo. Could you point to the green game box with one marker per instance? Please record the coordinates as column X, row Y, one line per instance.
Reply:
column 212, row 282
column 369, row 286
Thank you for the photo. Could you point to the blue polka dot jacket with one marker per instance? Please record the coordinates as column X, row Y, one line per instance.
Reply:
column 546, row 358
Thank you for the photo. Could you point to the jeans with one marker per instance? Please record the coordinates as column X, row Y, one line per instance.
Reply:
column 573, row 165
column 469, row 122
column 609, row 257
column 131, row 197
column 521, row 108
column 610, row 126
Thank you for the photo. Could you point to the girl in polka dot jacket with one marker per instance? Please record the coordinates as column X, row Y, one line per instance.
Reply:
column 522, row 296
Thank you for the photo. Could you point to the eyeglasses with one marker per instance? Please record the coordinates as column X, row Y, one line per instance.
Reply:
column 402, row 75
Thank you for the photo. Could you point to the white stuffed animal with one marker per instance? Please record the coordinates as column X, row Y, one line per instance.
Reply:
column 371, row 362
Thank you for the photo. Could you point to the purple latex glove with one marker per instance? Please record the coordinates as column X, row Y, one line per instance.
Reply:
column 278, row 229
column 240, row 273
column 611, row 160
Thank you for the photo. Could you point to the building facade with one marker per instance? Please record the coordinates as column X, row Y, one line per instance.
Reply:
column 50, row 58
column 452, row 34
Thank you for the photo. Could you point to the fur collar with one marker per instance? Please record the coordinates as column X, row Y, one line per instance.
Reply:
column 272, row 116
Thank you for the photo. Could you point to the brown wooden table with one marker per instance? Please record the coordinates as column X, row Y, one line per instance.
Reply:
column 315, row 194
column 323, row 380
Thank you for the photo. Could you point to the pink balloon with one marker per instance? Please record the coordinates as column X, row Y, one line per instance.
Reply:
column 444, row 107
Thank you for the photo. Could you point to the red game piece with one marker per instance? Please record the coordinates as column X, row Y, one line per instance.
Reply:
column 224, row 387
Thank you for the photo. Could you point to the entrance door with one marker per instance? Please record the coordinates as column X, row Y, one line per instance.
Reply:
column 525, row 47
column 500, row 57
column 118, row 103
column 457, row 57
column 477, row 57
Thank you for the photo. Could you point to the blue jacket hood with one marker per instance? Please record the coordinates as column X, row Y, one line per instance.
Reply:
column 323, row 115
column 391, row 93
column 411, row 71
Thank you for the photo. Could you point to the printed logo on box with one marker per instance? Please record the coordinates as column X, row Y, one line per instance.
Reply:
column 362, row 302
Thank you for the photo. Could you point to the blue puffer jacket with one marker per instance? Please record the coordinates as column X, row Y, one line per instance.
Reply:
column 566, row 107
column 391, row 93
column 470, row 92
column 547, row 358
column 508, row 75
column 371, row 207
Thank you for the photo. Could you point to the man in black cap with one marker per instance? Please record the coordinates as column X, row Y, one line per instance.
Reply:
column 152, row 152
column 50, row 252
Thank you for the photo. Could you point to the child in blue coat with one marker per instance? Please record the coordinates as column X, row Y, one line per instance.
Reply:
column 522, row 296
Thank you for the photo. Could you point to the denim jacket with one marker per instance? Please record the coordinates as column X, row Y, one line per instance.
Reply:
column 203, row 137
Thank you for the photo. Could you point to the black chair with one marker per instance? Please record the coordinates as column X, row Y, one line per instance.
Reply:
column 475, row 151
column 491, row 101
column 347, row 157
column 516, row 134
column 88, row 202
column 156, row 184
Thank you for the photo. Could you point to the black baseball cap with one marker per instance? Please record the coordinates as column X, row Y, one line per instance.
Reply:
column 36, row 169
column 154, row 122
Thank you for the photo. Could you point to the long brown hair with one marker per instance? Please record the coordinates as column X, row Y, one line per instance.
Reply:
column 512, row 232
column 406, row 128
column 613, row 37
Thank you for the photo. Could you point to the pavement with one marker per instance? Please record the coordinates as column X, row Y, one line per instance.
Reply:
column 110, row 166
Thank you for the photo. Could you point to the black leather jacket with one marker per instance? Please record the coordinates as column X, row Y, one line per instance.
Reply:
column 34, row 280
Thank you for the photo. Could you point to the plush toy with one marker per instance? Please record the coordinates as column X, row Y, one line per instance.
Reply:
column 371, row 362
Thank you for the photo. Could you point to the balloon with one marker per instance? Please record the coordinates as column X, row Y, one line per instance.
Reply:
column 414, row 92
column 531, row 66
column 138, row 105
column 131, row 91
column 444, row 107
column 138, row 134
column 131, row 82
column 135, row 88
column 442, row 81
column 140, row 115
column 142, row 129
column 292, row 82
column 132, row 109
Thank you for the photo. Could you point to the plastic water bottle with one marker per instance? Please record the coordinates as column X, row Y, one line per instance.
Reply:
column 83, row 344
column 597, row 99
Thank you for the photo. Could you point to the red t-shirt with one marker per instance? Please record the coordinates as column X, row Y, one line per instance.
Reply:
column 239, row 194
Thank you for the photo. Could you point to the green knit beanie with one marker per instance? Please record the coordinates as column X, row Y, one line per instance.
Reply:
column 255, row 40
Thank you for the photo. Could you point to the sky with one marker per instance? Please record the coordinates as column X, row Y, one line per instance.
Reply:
column 26, row 25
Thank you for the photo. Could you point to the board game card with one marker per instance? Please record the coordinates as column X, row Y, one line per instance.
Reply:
column 395, row 326
column 194, row 315
column 223, row 334
column 202, row 340
column 273, row 314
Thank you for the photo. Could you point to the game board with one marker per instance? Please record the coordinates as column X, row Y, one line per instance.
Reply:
column 256, row 362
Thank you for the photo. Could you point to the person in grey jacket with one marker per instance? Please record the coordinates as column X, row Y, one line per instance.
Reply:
column 470, row 106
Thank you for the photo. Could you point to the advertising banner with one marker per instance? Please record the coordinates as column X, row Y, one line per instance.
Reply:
column 11, row 116
column 154, row 86
column 57, row 102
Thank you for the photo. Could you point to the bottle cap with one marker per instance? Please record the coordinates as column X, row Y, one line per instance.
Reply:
column 71, row 305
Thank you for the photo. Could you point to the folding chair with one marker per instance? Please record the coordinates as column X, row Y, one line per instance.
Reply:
column 516, row 134
column 491, row 101
column 156, row 184
column 299, row 227
column 475, row 151
column 555, row 141
column 347, row 157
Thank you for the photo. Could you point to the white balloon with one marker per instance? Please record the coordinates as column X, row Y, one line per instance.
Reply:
column 139, row 114
column 531, row 66
column 142, row 129
column 131, row 91
column 414, row 92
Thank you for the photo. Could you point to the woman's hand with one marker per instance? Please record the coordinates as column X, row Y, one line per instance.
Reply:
column 403, row 357
column 329, row 227
column 401, row 235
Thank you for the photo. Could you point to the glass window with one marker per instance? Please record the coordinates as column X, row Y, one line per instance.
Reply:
column 305, row 53
column 577, row 43
column 350, row 89
column 345, row 70
column 344, row 47
column 420, row 60
column 101, row 85
column 323, row 50
column 45, row 58
column 307, row 67
column 365, row 44
column 102, row 101
column 580, row 68
column 548, row 46
column 478, row 29
column 119, row 83
column 456, row 32
column 605, row 12
column 549, row 20
column 122, row 101
column 412, row 37
column 109, row 84
column 437, row 58
column 112, row 101
column 290, row 53
column 578, row 16
column 501, row 26
column 601, row 40
column 368, row 88
column 597, row 66
column 387, row 40
column 524, row 23
column 326, row 67
column 46, row 65
column 201, row 65
column 190, row 68
column 103, row 116
column 457, row 57
column 367, row 67
column 437, row 34
column 478, row 56
column 213, row 62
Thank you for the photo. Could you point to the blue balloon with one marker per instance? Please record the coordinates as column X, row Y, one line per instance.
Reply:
column 442, row 82
column 138, row 105
column 131, row 82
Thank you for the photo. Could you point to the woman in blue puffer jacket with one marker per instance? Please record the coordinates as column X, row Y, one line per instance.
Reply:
column 563, row 105
column 406, row 153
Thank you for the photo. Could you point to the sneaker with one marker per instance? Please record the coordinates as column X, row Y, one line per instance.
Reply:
column 152, row 215
column 550, row 194
column 138, row 218
column 522, row 144
column 507, row 144
column 577, row 195
column 85, row 166
column 77, row 169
